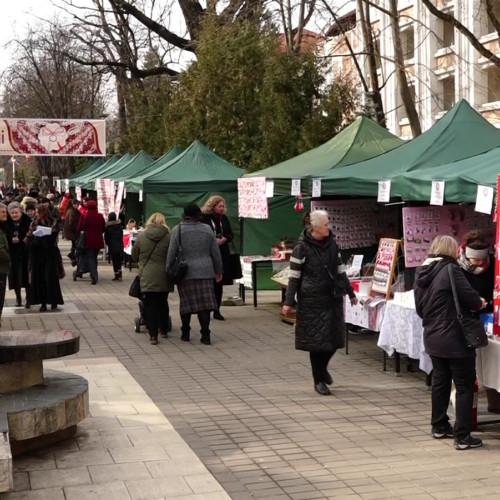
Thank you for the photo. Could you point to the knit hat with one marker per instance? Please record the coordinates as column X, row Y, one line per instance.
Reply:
column 192, row 211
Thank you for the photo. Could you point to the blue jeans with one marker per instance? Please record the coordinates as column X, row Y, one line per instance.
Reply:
column 463, row 373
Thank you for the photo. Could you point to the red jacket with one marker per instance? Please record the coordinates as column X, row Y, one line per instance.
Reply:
column 94, row 225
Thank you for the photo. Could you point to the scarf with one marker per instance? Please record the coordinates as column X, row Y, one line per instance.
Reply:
column 466, row 265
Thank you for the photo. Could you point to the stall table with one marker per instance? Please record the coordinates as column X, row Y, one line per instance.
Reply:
column 488, row 364
column 401, row 332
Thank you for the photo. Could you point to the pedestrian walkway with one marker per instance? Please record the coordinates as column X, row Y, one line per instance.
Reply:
column 239, row 419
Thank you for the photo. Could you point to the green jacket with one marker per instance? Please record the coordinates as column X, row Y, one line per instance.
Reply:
column 4, row 253
column 150, row 251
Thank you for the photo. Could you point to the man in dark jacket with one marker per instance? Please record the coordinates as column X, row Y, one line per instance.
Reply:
column 4, row 255
column 318, row 277
column 113, row 237
column 71, row 219
column 443, row 340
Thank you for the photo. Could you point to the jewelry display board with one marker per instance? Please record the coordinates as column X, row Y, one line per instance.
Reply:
column 422, row 224
column 385, row 266
column 359, row 223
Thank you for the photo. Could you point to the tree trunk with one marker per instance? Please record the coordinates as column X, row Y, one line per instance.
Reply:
column 408, row 103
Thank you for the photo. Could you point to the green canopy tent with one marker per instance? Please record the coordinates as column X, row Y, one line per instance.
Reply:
column 362, row 139
column 134, row 184
column 459, row 134
column 461, row 178
column 77, row 178
column 87, row 182
column 91, row 165
column 192, row 176
column 133, row 180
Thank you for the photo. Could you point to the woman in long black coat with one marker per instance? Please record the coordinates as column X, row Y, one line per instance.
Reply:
column 45, row 263
column 18, row 225
column 214, row 214
column 317, row 276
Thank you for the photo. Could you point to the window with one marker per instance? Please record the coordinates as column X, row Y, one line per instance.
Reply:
column 408, row 42
column 493, row 83
column 495, row 4
column 448, row 35
column 448, row 92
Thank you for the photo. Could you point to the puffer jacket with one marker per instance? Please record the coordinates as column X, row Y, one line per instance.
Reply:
column 320, row 317
column 150, row 251
column 435, row 305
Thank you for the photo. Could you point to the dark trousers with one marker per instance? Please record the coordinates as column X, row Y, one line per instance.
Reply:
column 203, row 318
column 156, row 311
column 463, row 373
column 3, row 285
column 319, row 364
column 88, row 263
column 116, row 258
column 218, row 287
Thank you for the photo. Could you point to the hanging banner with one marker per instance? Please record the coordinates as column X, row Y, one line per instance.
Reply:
column 252, row 199
column 40, row 137
column 384, row 191
column 437, row 193
column 78, row 193
column 105, row 196
column 484, row 199
column 119, row 196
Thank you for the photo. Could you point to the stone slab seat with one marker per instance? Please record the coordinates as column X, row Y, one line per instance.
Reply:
column 36, row 409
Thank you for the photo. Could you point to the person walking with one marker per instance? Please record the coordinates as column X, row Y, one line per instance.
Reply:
column 214, row 214
column 318, row 279
column 196, row 291
column 150, row 251
column 44, row 261
column 18, row 225
column 70, row 228
column 4, row 256
column 93, row 225
column 443, row 340
column 113, row 237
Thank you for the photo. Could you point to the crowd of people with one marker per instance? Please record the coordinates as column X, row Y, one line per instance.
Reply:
column 30, row 259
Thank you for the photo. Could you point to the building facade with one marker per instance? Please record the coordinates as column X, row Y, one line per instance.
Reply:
column 442, row 66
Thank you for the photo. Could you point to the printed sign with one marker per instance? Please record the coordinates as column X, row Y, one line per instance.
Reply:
column 385, row 263
column 384, row 191
column 252, row 199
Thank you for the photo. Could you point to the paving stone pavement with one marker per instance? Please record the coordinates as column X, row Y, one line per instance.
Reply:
column 240, row 418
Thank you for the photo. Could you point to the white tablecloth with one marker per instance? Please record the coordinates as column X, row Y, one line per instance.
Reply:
column 363, row 314
column 401, row 330
column 488, row 364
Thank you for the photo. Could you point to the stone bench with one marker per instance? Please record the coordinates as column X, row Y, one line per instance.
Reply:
column 36, row 409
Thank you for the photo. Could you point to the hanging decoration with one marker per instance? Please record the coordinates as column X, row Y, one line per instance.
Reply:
column 299, row 205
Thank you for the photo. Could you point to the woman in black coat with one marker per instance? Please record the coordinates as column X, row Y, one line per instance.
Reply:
column 214, row 214
column 318, row 277
column 113, row 237
column 443, row 340
column 18, row 225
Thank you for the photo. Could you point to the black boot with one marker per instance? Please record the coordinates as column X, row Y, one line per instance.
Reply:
column 117, row 277
column 185, row 333
column 205, row 337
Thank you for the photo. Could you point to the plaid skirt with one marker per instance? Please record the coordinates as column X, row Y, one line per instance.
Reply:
column 196, row 295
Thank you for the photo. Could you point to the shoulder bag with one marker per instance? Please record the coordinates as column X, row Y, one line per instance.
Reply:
column 177, row 271
column 472, row 328
column 135, row 286
column 80, row 240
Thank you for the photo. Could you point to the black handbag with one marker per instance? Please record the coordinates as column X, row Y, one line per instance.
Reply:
column 135, row 287
column 472, row 328
column 80, row 240
column 177, row 271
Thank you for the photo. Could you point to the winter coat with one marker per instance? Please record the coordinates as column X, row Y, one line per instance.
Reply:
column 483, row 283
column 71, row 223
column 221, row 227
column 4, row 251
column 113, row 236
column 319, row 325
column 18, row 277
column 150, row 251
column 435, row 305
column 199, row 248
column 93, row 224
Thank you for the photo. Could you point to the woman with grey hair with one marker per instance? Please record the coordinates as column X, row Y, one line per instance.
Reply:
column 318, row 279
column 18, row 225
